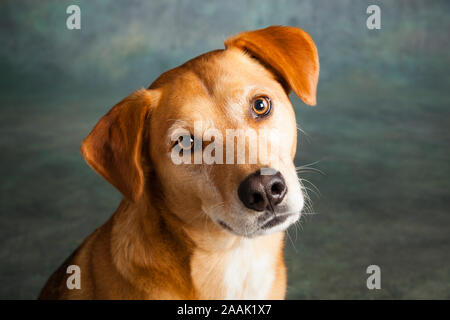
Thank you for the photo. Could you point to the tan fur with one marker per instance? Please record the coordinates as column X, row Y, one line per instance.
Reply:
column 163, row 242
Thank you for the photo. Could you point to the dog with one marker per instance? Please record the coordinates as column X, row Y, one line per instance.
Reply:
column 198, row 231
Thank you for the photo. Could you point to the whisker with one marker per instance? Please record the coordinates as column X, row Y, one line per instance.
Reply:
column 312, row 190
column 312, row 184
column 309, row 213
column 290, row 239
column 305, row 134
column 311, row 164
column 308, row 170
column 215, row 206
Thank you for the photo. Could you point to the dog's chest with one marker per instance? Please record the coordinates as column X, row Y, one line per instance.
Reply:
column 241, row 273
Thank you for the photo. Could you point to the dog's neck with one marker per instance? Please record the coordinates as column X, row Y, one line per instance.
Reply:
column 201, row 263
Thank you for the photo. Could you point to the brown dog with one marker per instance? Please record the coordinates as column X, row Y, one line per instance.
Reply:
column 201, row 230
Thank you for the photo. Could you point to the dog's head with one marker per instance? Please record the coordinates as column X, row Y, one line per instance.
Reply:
column 216, row 135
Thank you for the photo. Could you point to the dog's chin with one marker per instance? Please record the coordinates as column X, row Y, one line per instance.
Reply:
column 272, row 225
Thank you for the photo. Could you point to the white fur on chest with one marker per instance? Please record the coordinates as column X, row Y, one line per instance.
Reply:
column 248, row 274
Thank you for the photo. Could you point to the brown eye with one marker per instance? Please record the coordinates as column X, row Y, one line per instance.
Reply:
column 185, row 142
column 261, row 105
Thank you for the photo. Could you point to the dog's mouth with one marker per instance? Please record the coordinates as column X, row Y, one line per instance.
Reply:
column 267, row 224
column 224, row 225
column 274, row 222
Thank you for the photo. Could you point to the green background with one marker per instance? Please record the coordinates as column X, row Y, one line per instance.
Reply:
column 380, row 132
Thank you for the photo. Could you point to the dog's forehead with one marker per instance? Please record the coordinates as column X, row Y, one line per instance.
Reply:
column 218, row 81
column 223, row 74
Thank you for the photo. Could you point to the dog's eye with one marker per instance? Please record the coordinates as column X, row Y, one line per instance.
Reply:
column 185, row 142
column 261, row 105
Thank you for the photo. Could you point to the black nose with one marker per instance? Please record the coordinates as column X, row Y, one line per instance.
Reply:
column 259, row 192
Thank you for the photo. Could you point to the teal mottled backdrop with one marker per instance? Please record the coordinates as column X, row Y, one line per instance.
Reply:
column 380, row 132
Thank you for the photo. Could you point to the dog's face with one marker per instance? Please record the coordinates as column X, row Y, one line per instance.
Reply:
column 193, row 122
column 219, row 92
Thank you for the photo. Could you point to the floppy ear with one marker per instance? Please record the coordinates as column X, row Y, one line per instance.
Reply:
column 289, row 52
column 114, row 146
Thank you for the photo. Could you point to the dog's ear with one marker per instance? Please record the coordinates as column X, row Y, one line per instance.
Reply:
column 114, row 146
column 289, row 52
